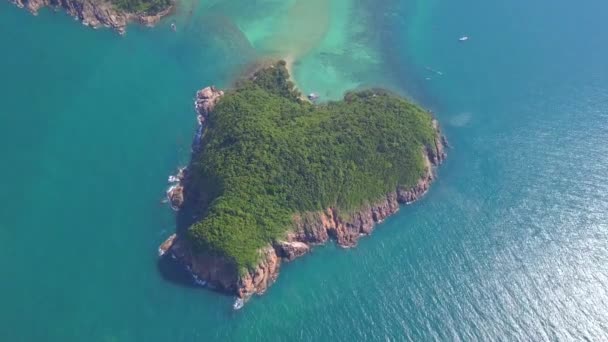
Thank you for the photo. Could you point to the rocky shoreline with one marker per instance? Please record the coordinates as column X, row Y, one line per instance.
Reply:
column 309, row 228
column 95, row 13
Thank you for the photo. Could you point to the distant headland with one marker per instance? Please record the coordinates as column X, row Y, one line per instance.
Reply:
column 273, row 174
column 115, row 14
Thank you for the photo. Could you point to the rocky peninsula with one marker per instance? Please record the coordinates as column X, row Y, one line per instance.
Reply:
column 272, row 175
column 115, row 14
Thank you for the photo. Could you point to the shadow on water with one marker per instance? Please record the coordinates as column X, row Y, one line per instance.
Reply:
column 174, row 272
column 198, row 193
column 169, row 268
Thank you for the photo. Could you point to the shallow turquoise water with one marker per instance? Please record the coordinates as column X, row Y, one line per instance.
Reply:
column 510, row 244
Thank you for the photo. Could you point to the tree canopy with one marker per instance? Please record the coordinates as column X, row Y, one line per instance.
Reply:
column 142, row 6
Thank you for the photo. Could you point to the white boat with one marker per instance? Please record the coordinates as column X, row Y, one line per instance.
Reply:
column 463, row 38
column 434, row 71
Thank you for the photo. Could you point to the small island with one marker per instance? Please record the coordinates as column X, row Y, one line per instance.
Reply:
column 273, row 174
column 115, row 14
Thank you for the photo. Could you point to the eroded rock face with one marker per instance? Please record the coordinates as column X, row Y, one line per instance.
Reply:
column 256, row 281
column 290, row 250
column 95, row 13
column 347, row 228
column 437, row 153
column 218, row 272
column 206, row 99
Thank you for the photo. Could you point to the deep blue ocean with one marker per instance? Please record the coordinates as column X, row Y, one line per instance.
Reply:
column 510, row 244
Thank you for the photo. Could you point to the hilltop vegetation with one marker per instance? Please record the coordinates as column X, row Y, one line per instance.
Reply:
column 149, row 7
column 267, row 154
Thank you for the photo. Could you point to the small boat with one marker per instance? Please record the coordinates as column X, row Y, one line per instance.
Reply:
column 463, row 38
column 313, row 96
column 238, row 304
column 434, row 71
column 173, row 27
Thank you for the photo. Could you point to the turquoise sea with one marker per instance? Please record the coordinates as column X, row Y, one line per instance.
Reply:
column 511, row 243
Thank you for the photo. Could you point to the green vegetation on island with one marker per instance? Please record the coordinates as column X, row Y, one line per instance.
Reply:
column 267, row 155
column 150, row 7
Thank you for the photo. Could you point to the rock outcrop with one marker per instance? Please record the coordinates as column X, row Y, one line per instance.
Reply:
column 206, row 99
column 257, row 280
column 216, row 271
column 175, row 195
column 95, row 13
column 165, row 246
column 289, row 250
column 309, row 228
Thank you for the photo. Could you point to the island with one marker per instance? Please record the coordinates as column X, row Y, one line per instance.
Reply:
column 273, row 174
column 115, row 14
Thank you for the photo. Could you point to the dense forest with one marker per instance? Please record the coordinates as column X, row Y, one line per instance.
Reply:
column 149, row 7
column 268, row 154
